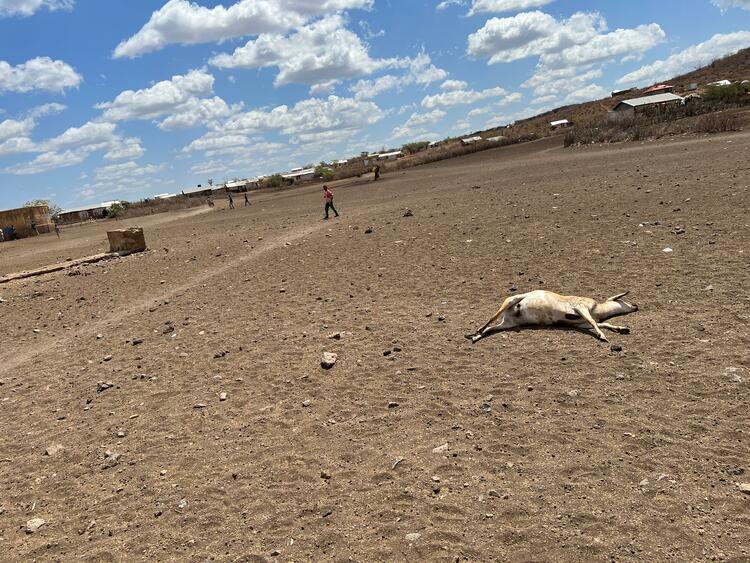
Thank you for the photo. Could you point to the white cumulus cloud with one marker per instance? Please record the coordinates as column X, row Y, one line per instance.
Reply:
column 462, row 96
column 40, row 73
column 719, row 45
column 725, row 5
column 497, row 6
column 25, row 8
column 187, row 23
column 419, row 70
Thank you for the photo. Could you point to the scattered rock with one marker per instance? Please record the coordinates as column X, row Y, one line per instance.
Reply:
column 137, row 341
column 325, row 475
column 199, row 406
column 408, row 213
column 328, row 360
column 111, row 459
column 306, row 403
column 616, row 348
column 440, row 449
column 709, row 287
column 441, row 318
column 392, row 404
column 412, row 537
column 335, row 336
column 275, row 553
column 369, row 230
column 103, row 386
column 54, row 449
column 667, row 249
column 121, row 434
column 107, row 358
column 223, row 396
column 34, row 524
column 744, row 488
column 398, row 460
column 182, row 504
column 218, row 355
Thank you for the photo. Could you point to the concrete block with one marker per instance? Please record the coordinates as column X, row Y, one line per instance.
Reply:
column 127, row 240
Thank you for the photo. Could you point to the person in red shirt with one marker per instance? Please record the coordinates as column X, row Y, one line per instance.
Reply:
column 328, row 196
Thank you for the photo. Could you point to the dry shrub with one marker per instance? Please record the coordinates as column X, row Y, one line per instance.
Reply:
column 717, row 123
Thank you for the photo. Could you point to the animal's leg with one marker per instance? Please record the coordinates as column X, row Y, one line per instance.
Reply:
column 507, row 304
column 504, row 324
column 588, row 318
column 615, row 328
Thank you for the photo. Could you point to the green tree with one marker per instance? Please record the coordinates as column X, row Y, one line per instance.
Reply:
column 324, row 172
column 115, row 209
column 54, row 209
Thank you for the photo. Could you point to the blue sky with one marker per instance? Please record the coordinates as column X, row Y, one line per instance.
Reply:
column 121, row 99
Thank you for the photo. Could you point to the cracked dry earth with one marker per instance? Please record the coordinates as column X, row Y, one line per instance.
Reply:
column 170, row 406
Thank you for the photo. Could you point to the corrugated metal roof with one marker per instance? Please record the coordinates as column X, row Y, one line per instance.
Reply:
column 559, row 122
column 648, row 100
column 298, row 173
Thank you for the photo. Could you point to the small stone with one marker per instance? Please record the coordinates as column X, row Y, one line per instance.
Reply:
column 709, row 287
column 335, row 336
column 121, row 434
column 408, row 213
column 744, row 488
column 183, row 504
column 199, row 406
column 493, row 493
column 392, row 404
column 440, row 449
column 275, row 553
column 306, row 403
column 667, row 250
column 163, row 472
column 107, row 358
column 369, row 230
column 137, row 341
column 34, row 524
column 54, row 449
column 412, row 537
column 111, row 459
column 325, row 475
column 441, row 318
column 223, row 396
column 616, row 348
column 328, row 360
column 103, row 386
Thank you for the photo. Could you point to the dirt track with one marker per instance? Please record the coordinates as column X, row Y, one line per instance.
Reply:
column 559, row 449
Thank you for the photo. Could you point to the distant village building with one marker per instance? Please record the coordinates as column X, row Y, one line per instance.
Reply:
column 559, row 124
column 658, row 89
column 616, row 93
column 496, row 139
column 720, row 83
column 644, row 104
column 20, row 220
column 90, row 212
column 199, row 191
column 297, row 175
column 471, row 140
column 390, row 155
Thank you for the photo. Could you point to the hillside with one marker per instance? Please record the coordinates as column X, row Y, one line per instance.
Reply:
column 733, row 67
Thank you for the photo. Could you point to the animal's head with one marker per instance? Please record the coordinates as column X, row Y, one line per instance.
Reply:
column 624, row 306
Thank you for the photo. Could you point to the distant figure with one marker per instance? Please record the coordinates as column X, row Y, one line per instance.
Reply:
column 376, row 169
column 210, row 202
column 328, row 196
column 247, row 201
column 2, row 235
column 57, row 230
column 33, row 227
column 231, row 201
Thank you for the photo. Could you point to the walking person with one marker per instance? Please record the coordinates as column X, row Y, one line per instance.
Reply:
column 33, row 227
column 328, row 196
column 376, row 170
column 247, row 201
column 57, row 230
column 231, row 201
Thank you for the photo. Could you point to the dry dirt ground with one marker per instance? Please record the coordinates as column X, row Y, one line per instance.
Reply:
column 558, row 448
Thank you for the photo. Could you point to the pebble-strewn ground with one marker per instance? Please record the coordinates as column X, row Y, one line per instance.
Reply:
column 537, row 445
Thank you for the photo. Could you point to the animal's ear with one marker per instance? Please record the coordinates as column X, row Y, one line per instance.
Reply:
column 618, row 296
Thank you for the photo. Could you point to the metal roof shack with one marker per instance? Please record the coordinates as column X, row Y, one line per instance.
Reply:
column 300, row 175
column 471, row 140
column 197, row 192
column 89, row 212
column 659, row 89
column 628, row 108
column 559, row 123
column 390, row 155
column 724, row 82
